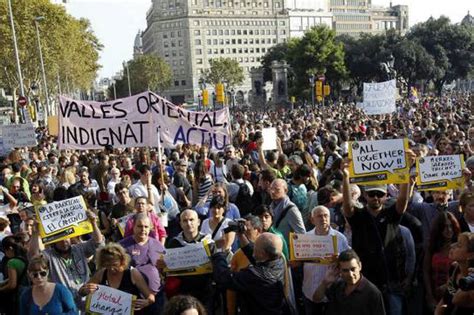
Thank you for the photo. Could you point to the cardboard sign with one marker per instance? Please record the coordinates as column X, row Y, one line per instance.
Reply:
column 134, row 122
column 269, row 136
column 379, row 98
column 63, row 219
column 192, row 259
column 18, row 136
column 316, row 248
column 440, row 172
column 53, row 125
column 109, row 301
column 379, row 162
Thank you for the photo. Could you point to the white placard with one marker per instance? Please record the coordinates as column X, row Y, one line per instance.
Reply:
column 269, row 136
column 379, row 98
column 442, row 167
column 378, row 156
column 311, row 246
column 189, row 256
column 20, row 135
column 62, row 214
column 109, row 301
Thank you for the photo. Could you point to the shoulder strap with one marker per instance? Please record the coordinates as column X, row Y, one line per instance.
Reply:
column 217, row 228
column 282, row 216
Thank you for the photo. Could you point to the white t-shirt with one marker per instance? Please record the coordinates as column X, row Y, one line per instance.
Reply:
column 206, row 229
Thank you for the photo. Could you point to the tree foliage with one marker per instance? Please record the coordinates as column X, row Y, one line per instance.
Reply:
column 147, row 72
column 317, row 52
column 451, row 46
column 70, row 48
column 224, row 70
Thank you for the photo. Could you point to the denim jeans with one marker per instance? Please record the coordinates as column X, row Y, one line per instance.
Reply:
column 395, row 304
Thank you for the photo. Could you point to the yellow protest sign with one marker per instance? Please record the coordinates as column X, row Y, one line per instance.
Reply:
column 220, row 93
column 319, row 88
column 440, row 172
column 109, row 301
column 318, row 249
column 192, row 259
column 379, row 162
column 53, row 125
column 64, row 219
column 205, row 97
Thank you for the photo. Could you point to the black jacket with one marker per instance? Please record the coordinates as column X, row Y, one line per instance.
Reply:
column 260, row 286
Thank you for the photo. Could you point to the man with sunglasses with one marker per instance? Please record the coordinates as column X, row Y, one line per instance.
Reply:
column 377, row 239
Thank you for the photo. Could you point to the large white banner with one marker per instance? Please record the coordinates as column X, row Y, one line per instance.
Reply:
column 134, row 122
column 379, row 98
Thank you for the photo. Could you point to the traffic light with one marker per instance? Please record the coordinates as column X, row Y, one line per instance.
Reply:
column 327, row 90
column 319, row 88
column 220, row 93
column 205, row 97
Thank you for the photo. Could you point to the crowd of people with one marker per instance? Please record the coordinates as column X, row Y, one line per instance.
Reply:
column 399, row 250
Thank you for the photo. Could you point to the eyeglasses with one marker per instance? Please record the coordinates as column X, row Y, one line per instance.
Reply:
column 375, row 193
column 38, row 274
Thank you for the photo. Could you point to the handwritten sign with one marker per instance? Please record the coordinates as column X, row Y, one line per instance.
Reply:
column 440, row 172
column 379, row 98
column 134, row 122
column 63, row 219
column 20, row 135
column 188, row 260
column 269, row 136
column 106, row 300
column 379, row 162
column 317, row 248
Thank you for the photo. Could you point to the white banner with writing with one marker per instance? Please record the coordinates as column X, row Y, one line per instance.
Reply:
column 190, row 256
column 19, row 135
column 134, row 121
column 379, row 98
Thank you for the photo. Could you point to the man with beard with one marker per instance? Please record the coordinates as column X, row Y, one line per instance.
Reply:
column 376, row 236
column 68, row 263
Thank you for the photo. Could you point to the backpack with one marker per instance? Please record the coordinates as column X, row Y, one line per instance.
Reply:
column 244, row 200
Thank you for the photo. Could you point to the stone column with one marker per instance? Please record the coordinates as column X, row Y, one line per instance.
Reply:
column 280, row 83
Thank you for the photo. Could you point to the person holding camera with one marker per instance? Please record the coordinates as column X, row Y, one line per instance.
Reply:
column 251, row 227
column 262, row 286
column 458, row 296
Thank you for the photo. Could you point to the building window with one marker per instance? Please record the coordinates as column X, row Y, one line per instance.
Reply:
column 198, row 51
column 197, row 42
column 165, row 44
column 197, row 32
column 176, row 83
column 199, row 61
column 196, row 23
column 165, row 35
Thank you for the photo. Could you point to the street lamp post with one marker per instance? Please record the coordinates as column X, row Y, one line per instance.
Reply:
column 312, row 82
column 125, row 64
column 213, row 101
column 37, row 19
column 232, row 95
column 202, row 86
column 115, row 90
column 17, row 57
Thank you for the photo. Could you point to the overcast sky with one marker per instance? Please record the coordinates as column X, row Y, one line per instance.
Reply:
column 116, row 22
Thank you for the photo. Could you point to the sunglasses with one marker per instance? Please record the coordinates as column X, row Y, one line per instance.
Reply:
column 375, row 193
column 38, row 274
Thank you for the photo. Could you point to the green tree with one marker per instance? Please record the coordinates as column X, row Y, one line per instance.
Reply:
column 412, row 62
column 224, row 70
column 147, row 72
column 70, row 48
column 451, row 46
column 317, row 52
column 278, row 52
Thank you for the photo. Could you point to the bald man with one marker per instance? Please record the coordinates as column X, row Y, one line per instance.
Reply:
column 287, row 217
column 261, row 285
column 199, row 286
